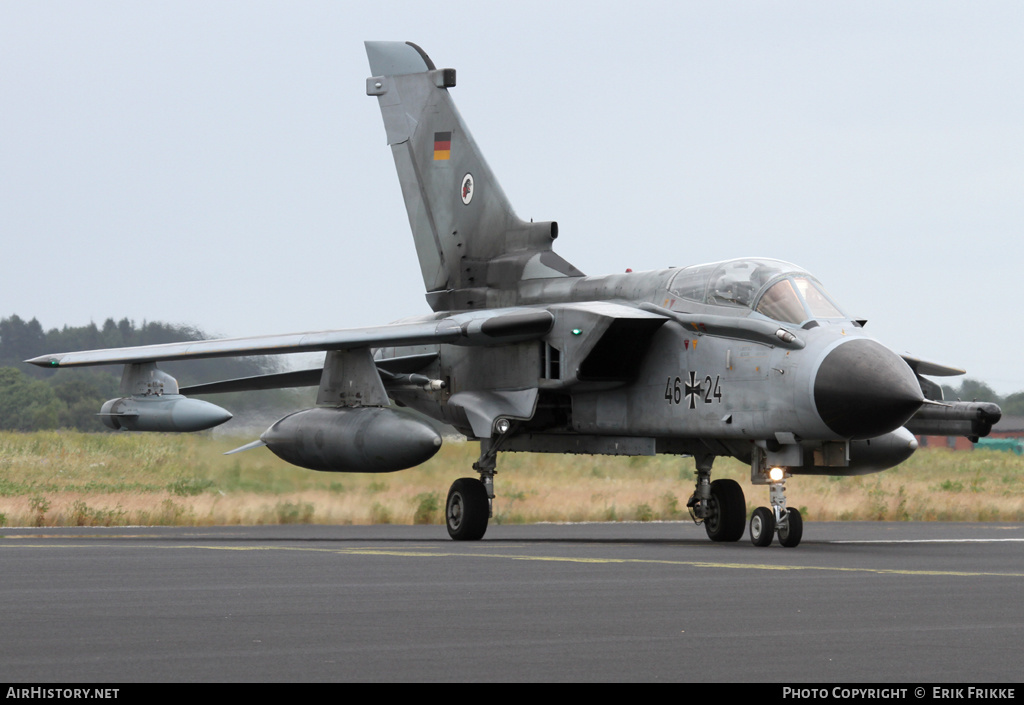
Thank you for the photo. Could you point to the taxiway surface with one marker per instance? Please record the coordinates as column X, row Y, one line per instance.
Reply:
column 855, row 602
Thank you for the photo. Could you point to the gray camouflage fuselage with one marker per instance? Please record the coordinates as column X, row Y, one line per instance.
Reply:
column 748, row 358
column 662, row 388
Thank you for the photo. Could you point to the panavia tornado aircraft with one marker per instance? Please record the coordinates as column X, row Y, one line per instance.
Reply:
column 749, row 358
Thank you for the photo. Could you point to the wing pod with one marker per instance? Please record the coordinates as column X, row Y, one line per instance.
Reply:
column 363, row 439
column 168, row 413
column 152, row 403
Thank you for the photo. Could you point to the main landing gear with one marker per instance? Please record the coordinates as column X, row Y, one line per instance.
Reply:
column 467, row 510
column 468, row 507
column 719, row 505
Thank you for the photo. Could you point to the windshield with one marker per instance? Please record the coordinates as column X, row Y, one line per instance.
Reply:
column 776, row 289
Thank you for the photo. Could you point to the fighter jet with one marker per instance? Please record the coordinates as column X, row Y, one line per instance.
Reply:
column 749, row 358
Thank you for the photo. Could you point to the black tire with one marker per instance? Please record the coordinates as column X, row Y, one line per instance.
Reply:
column 762, row 526
column 790, row 535
column 727, row 511
column 466, row 511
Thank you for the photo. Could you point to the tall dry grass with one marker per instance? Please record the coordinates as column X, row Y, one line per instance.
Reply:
column 65, row 478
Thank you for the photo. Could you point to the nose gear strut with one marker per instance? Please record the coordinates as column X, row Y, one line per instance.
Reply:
column 765, row 522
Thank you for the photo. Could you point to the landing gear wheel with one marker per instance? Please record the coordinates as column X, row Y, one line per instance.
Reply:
column 762, row 526
column 727, row 513
column 467, row 510
column 791, row 533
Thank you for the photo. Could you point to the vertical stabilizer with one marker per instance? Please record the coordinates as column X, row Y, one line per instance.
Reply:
column 473, row 249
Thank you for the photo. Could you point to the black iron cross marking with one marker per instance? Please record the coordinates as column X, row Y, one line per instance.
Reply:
column 693, row 390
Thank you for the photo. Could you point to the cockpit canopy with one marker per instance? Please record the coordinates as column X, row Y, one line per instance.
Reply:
column 771, row 287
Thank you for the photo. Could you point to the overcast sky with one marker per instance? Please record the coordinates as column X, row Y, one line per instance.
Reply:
column 219, row 164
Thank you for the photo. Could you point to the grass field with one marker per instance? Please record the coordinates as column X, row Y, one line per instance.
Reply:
column 68, row 479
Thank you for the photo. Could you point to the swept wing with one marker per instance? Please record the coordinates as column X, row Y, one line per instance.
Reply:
column 477, row 328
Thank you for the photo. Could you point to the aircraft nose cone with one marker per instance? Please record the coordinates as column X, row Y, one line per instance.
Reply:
column 862, row 390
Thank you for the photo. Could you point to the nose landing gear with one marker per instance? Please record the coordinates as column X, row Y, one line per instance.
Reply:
column 765, row 522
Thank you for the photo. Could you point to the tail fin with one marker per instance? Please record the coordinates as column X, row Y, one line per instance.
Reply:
column 473, row 249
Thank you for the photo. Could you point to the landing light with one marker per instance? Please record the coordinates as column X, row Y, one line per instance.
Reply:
column 776, row 474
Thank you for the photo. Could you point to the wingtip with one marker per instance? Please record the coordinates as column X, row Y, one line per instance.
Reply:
column 45, row 361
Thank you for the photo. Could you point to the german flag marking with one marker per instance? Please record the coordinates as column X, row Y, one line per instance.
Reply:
column 442, row 146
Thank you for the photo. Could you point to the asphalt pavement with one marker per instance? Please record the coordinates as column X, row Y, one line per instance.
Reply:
column 855, row 602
